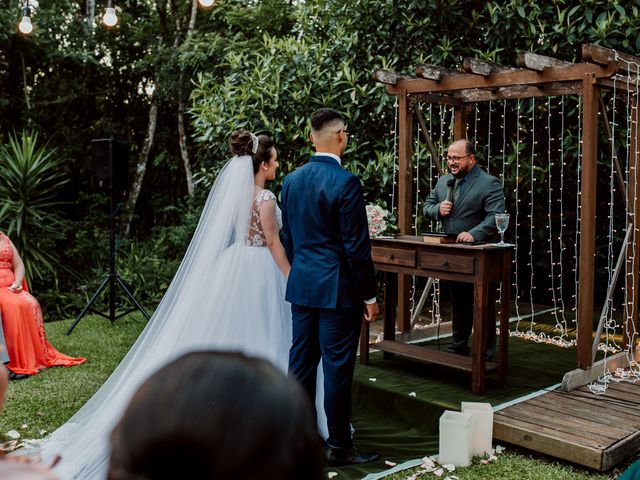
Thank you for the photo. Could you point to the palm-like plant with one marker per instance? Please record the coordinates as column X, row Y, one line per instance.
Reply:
column 30, row 179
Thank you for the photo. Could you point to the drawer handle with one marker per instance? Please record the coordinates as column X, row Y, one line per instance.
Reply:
column 445, row 264
column 390, row 258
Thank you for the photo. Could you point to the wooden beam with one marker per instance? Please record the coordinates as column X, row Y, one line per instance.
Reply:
column 437, row 98
column 431, row 72
column 459, row 124
column 597, row 54
column 533, row 61
column 620, row 451
column 608, row 300
column 519, row 91
column 590, row 94
column 579, row 377
column 451, row 83
column 618, row 84
column 427, row 139
column 483, row 67
column 405, row 201
column 405, row 152
column 633, row 250
column 387, row 77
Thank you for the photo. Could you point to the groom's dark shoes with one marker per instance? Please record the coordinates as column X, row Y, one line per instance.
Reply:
column 336, row 457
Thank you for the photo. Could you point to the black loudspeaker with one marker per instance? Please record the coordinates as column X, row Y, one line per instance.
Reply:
column 110, row 162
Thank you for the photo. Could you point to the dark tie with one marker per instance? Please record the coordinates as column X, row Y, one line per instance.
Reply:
column 457, row 188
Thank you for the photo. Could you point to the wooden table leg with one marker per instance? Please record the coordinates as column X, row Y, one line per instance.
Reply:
column 364, row 343
column 504, row 318
column 478, row 367
column 390, row 303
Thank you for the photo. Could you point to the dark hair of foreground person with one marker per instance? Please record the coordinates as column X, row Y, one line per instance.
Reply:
column 217, row 415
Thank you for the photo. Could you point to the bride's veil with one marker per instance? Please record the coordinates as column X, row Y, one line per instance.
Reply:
column 173, row 329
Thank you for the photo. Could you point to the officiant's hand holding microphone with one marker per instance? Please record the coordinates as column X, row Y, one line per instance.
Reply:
column 447, row 204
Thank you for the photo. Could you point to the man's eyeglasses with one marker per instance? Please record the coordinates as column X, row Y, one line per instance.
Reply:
column 456, row 159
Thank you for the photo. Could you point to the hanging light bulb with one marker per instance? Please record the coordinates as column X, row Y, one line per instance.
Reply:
column 110, row 18
column 25, row 25
column 206, row 3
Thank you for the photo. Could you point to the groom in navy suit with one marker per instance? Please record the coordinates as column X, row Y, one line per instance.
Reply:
column 331, row 283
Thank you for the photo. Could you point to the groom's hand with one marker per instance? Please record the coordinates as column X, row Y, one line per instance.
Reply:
column 370, row 311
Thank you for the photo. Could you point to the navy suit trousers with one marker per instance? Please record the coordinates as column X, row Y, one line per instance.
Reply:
column 330, row 334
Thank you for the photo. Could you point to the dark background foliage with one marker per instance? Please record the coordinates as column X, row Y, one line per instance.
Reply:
column 264, row 65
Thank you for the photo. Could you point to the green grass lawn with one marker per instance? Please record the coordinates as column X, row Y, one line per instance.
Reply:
column 38, row 405
column 45, row 401
column 514, row 465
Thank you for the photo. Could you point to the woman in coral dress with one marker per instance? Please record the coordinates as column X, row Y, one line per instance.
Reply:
column 27, row 345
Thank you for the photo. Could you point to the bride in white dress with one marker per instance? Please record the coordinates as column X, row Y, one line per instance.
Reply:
column 228, row 294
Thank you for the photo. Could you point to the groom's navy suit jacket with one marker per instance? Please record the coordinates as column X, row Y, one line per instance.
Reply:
column 326, row 237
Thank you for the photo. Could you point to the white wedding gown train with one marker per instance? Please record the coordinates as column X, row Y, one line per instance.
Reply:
column 225, row 295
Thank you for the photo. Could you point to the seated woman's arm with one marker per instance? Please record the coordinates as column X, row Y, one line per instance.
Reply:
column 18, row 270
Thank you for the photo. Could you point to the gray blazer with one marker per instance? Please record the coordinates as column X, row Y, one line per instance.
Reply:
column 474, row 210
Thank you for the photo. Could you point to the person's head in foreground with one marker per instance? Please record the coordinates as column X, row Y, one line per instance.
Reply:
column 217, row 415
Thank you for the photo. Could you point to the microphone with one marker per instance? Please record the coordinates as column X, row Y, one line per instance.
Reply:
column 450, row 184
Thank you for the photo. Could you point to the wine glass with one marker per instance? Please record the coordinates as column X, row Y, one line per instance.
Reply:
column 502, row 222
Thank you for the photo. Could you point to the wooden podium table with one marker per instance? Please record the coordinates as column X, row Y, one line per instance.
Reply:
column 482, row 265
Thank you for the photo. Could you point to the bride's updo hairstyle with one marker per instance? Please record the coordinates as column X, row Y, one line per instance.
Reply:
column 242, row 142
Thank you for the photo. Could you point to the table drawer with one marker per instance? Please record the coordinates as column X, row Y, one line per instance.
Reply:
column 394, row 256
column 447, row 263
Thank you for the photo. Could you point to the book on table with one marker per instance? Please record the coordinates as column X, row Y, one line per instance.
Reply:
column 439, row 237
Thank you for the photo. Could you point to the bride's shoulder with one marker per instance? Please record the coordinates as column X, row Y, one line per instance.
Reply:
column 264, row 195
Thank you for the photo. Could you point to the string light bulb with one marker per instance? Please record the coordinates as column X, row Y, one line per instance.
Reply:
column 110, row 19
column 206, row 3
column 25, row 26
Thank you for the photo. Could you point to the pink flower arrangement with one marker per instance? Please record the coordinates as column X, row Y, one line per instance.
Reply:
column 377, row 218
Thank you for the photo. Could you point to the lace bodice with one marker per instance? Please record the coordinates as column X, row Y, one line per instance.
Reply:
column 256, row 237
column 6, row 253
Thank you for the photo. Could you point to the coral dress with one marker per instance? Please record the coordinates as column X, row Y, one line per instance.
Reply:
column 27, row 345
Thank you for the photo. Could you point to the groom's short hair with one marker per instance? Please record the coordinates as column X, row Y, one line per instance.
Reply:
column 323, row 117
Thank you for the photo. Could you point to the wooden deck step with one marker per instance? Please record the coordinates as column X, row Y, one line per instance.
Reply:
column 596, row 431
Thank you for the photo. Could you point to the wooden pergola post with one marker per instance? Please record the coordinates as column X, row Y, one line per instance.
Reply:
column 460, row 126
column 633, row 248
column 590, row 94
column 405, row 200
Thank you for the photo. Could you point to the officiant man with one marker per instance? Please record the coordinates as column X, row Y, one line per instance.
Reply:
column 466, row 201
column 331, row 283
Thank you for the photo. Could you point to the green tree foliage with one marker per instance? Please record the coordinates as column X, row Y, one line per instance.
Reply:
column 327, row 60
column 30, row 180
column 263, row 64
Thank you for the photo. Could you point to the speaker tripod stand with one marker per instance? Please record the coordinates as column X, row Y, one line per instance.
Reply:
column 112, row 280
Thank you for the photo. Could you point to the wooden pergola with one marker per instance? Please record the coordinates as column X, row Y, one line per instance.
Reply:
column 536, row 76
